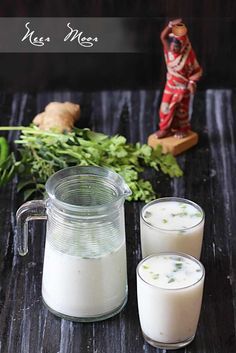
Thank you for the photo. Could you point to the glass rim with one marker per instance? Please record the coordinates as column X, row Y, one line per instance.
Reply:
column 88, row 170
column 172, row 198
column 190, row 257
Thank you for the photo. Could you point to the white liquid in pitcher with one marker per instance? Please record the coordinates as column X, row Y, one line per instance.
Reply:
column 172, row 226
column 169, row 297
column 84, row 287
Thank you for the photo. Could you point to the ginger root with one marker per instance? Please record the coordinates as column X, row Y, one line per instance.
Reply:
column 58, row 116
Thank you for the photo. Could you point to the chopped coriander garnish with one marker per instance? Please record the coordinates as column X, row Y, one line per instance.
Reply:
column 183, row 205
column 178, row 265
column 180, row 214
column 171, row 280
column 179, row 259
column 155, row 276
column 164, row 220
column 147, row 214
column 198, row 214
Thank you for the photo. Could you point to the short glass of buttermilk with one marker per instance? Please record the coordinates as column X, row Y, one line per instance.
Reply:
column 172, row 224
column 169, row 290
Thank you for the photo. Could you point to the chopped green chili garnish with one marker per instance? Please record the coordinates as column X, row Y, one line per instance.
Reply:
column 146, row 267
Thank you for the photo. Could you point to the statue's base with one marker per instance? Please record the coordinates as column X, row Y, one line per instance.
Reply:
column 174, row 145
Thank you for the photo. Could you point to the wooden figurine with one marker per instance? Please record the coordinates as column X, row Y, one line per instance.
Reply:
column 183, row 72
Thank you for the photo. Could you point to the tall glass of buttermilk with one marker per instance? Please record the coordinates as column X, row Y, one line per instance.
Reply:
column 169, row 289
column 172, row 224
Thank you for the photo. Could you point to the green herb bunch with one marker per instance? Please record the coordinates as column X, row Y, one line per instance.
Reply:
column 42, row 153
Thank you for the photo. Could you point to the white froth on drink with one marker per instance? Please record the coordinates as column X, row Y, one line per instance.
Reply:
column 170, row 291
column 172, row 226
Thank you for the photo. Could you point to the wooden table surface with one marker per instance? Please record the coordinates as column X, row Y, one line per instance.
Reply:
column 26, row 326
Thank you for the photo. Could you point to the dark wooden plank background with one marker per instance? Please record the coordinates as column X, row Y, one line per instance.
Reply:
column 209, row 179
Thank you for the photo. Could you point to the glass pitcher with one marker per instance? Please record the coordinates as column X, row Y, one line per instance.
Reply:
column 84, row 271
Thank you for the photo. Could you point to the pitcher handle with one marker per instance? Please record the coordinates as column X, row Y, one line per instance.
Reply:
column 29, row 211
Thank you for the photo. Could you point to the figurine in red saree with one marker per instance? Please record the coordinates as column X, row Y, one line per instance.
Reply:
column 183, row 72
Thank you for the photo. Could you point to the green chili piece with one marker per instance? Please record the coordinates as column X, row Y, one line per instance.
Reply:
column 4, row 149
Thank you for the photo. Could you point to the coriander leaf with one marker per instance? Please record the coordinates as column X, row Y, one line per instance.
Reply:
column 42, row 153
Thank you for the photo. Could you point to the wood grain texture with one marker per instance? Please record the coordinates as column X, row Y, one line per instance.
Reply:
column 173, row 145
column 209, row 179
